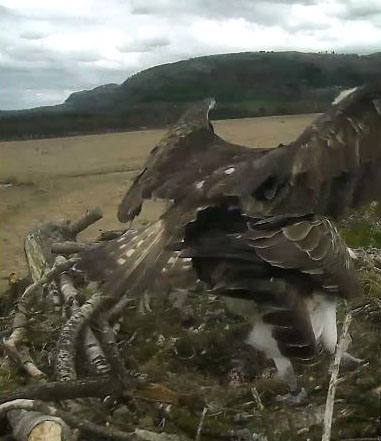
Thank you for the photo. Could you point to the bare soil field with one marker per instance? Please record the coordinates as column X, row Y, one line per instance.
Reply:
column 61, row 177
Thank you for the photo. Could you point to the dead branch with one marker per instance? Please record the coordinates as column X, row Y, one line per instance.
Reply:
column 20, row 354
column 50, row 275
column 340, row 348
column 199, row 428
column 66, row 345
column 110, row 348
column 69, row 293
column 94, row 353
column 118, row 309
column 111, row 234
column 84, row 221
column 68, row 247
column 54, row 295
column 99, row 386
column 190, row 422
column 70, row 419
column 257, row 398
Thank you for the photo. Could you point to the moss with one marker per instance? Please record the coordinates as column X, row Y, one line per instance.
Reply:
column 362, row 228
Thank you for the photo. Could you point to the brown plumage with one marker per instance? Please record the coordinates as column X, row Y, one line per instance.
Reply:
column 255, row 221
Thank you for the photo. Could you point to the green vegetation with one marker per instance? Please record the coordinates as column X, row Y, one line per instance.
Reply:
column 362, row 228
column 246, row 84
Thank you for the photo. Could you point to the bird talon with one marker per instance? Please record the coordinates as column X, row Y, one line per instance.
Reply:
column 351, row 363
column 293, row 397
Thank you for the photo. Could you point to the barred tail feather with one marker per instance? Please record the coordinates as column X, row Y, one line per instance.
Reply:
column 131, row 261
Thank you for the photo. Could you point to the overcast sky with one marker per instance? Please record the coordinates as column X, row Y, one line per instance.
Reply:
column 50, row 49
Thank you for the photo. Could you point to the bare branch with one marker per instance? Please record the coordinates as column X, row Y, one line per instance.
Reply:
column 66, row 345
column 80, row 224
column 202, row 419
column 340, row 348
column 68, row 247
column 50, row 275
column 99, row 386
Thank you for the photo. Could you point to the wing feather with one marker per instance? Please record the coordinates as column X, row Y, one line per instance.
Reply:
column 333, row 165
column 183, row 162
column 337, row 159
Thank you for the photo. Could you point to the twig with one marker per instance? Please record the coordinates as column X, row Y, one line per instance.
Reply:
column 340, row 348
column 20, row 354
column 257, row 398
column 70, row 419
column 49, row 275
column 202, row 419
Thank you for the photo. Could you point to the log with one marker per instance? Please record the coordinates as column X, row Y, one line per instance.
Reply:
column 33, row 426
column 74, row 421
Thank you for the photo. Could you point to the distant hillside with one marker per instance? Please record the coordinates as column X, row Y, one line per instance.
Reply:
column 244, row 84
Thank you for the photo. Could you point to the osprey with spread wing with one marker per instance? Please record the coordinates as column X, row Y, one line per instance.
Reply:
column 255, row 224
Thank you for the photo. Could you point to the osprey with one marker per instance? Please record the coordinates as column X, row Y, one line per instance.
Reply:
column 255, row 225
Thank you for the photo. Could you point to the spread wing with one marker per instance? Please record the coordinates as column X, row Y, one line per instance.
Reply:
column 337, row 160
column 189, row 153
column 333, row 165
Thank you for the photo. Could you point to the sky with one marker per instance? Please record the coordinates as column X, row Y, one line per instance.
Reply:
column 50, row 49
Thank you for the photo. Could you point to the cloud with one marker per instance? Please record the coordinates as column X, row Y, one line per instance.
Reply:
column 358, row 10
column 50, row 49
column 32, row 35
column 144, row 45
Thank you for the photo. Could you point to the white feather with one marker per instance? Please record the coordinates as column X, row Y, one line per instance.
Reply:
column 343, row 94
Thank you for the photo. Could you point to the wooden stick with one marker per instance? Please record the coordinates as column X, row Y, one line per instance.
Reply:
column 340, row 348
column 68, row 247
column 257, row 398
column 66, row 344
column 49, row 275
column 202, row 419
column 66, row 390
column 80, row 224
column 94, row 353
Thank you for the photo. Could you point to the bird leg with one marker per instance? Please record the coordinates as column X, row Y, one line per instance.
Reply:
column 261, row 338
column 286, row 373
column 322, row 309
